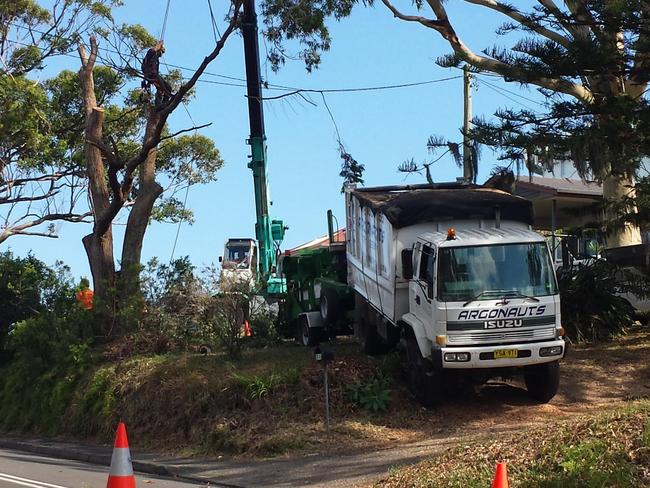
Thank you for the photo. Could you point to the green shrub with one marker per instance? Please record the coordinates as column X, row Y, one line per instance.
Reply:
column 28, row 289
column 264, row 329
column 259, row 386
column 591, row 308
column 51, row 342
column 373, row 394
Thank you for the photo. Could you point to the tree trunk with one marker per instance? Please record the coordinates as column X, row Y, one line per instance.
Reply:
column 148, row 192
column 99, row 250
column 616, row 189
column 99, row 244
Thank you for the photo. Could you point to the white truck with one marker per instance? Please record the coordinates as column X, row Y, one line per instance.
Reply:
column 454, row 274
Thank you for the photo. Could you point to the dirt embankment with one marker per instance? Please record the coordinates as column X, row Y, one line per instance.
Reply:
column 592, row 377
column 271, row 401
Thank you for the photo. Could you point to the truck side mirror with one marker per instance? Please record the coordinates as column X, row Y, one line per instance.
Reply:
column 220, row 259
column 407, row 263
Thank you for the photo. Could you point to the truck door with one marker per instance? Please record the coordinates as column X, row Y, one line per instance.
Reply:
column 421, row 287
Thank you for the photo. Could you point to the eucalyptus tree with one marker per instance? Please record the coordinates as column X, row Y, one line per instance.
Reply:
column 93, row 140
column 39, row 182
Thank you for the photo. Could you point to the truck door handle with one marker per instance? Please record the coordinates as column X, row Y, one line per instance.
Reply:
column 417, row 299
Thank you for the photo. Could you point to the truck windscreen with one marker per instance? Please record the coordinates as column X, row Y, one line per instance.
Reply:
column 488, row 272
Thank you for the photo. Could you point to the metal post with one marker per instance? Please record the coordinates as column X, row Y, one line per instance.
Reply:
column 553, row 226
column 327, row 399
column 330, row 227
column 467, row 118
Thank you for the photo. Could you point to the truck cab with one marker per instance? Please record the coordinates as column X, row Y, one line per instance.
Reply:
column 238, row 263
column 484, row 298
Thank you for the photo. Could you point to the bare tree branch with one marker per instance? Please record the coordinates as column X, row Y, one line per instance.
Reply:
column 182, row 131
column 432, row 24
column 446, row 30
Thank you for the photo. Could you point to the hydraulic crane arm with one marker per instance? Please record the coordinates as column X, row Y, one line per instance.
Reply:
column 267, row 231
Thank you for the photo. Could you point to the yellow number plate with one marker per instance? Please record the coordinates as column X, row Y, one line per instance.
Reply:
column 505, row 354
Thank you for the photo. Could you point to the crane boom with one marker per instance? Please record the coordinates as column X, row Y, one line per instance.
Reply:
column 267, row 231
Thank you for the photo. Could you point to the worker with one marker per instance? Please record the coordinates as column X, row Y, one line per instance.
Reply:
column 85, row 295
column 151, row 73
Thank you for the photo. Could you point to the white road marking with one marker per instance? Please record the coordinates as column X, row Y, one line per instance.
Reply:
column 27, row 482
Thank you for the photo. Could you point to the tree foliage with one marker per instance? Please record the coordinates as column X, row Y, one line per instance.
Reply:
column 592, row 306
column 29, row 289
column 589, row 58
column 39, row 183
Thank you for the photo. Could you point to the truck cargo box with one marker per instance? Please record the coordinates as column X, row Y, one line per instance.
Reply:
column 382, row 222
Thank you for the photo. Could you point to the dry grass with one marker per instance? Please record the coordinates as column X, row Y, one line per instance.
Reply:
column 271, row 402
column 604, row 450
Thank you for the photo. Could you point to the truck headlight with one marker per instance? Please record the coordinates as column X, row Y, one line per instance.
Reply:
column 550, row 351
column 457, row 357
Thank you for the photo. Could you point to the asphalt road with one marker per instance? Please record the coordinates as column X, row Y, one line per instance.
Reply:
column 19, row 470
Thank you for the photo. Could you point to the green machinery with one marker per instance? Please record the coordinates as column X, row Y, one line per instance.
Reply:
column 318, row 300
column 310, row 283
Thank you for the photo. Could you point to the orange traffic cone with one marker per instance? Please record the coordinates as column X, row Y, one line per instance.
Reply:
column 121, row 474
column 501, row 477
column 247, row 329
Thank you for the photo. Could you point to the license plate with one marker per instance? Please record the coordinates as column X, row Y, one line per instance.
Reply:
column 505, row 354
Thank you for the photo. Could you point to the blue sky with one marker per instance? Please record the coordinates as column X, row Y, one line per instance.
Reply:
column 379, row 128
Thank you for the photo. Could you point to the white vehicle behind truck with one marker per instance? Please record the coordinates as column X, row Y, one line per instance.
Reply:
column 455, row 275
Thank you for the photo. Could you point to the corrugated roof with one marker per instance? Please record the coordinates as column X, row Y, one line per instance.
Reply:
column 557, row 186
column 339, row 236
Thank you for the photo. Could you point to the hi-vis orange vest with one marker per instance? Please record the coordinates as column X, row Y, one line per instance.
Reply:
column 85, row 299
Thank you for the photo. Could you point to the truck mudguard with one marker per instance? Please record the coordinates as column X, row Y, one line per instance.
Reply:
column 420, row 333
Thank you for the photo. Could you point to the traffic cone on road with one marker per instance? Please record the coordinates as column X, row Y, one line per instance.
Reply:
column 501, row 477
column 121, row 474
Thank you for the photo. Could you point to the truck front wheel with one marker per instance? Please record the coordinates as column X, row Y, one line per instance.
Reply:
column 543, row 380
column 424, row 382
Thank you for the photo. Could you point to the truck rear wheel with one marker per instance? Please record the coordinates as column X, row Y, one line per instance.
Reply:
column 329, row 306
column 305, row 335
column 424, row 382
column 542, row 381
column 368, row 337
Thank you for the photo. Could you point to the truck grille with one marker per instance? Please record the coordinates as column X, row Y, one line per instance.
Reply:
column 470, row 338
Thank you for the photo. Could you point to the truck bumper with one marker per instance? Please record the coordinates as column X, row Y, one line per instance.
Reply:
column 497, row 356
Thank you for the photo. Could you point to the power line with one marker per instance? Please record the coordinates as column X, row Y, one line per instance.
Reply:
column 187, row 192
column 298, row 91
column 504, row 93
column 215, row 28
column 273, row 86
column 515, row 94
column 164, row 26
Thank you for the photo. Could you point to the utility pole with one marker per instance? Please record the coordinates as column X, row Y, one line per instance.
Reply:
column 467, row 118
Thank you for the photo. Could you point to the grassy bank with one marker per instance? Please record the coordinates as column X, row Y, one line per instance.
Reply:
column 271, row 402
column 268, row 402
column 610, row 449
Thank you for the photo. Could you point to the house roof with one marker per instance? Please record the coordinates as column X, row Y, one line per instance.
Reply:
column 339, row 236
column 541, row 187
column 405, row 206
